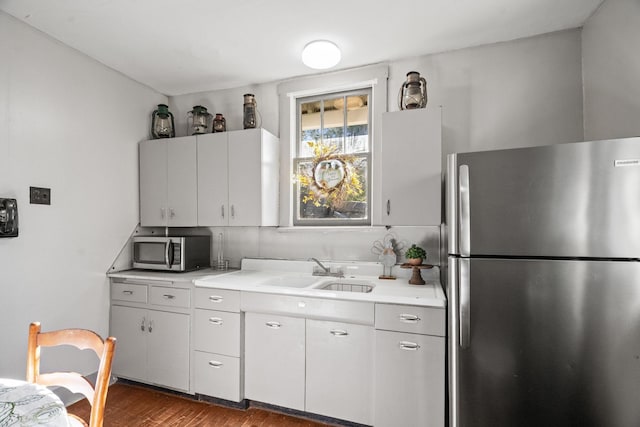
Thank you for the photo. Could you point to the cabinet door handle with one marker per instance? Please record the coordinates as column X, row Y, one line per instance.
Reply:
column 142, row 324
column 273, row 325
column 215, row 298
column 162, row 213
column 222, row 210
column 215, row 364
column 172, row 213
column 150, row 327
column 127, row 292
column 388, row 206
column 169, row 296
column 338, row 333
column 409, row 318
column 215, row 320
column 233, row 211
column 409, row 346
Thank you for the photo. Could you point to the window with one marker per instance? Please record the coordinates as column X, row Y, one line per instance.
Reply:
column 332, row 159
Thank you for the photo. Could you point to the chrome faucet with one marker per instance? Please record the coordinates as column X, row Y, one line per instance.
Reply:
column 326, row 271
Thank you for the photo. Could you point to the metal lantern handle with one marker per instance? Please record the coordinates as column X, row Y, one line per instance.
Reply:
column 424, row 91
column 400, row 106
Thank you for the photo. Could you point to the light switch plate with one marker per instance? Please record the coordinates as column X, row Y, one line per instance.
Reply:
column 39, row 196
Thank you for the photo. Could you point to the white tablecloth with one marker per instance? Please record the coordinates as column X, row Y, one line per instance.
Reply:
column 25, row 404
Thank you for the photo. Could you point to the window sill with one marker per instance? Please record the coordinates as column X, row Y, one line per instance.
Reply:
column 330, row 229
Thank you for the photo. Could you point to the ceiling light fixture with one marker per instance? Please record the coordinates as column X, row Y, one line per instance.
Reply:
column 320, row 54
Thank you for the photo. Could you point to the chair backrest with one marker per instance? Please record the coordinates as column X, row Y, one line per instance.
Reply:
column 81, row 339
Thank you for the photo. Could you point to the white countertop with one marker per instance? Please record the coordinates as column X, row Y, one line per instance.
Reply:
column 295, row 278
column 165, row 276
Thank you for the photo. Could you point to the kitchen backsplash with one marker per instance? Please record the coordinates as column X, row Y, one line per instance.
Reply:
column 350, row 244
column 335, row 244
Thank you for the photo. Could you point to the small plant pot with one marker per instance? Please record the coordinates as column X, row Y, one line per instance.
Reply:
column 414, row 261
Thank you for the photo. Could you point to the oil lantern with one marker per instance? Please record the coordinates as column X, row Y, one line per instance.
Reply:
column 198, row 120
column 250, row 111
column 413, row 93
column 162, row 123
column 219, row 123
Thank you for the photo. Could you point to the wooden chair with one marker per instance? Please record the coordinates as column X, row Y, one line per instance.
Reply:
column 82, row 339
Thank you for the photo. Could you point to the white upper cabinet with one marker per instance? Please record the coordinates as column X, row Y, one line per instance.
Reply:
column 238, row 178
column 168, row 182
column 213, row 194
column 411, row 159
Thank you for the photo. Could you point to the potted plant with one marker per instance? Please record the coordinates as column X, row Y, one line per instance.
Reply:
column 415, row 255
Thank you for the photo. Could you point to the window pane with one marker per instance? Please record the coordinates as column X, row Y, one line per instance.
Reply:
column 357, row 138
column 333, row 126
column 332, row 159
column 333, row 190
column 310, row 127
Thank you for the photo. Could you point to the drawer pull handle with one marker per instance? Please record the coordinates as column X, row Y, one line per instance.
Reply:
column 409, row 318
column 338, row 333
column 273, row 325
column 215, row 320
column 214, row 298
column 215, row 364
column 168, row 296
column 127, row 292
column 409, row 346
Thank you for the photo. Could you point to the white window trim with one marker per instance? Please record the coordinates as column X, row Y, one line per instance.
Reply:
column 374, row 76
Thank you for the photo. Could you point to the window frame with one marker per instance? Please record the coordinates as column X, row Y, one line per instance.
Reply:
column 367, row 155
column 374, row 76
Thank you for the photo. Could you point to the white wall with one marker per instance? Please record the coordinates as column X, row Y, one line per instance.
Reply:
column 519, row 93
column 71, row 124
column 611, row 67
column 513, row 94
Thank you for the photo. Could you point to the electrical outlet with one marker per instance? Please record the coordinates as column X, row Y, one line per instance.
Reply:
column 39, row 196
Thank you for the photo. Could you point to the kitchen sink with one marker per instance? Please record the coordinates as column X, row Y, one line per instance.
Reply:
column 346, row 286
column 290, row 281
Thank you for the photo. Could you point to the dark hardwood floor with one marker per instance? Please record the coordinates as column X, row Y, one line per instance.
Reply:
column 132, row 405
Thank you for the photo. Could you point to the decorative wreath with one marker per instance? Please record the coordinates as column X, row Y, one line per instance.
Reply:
column 332, row 177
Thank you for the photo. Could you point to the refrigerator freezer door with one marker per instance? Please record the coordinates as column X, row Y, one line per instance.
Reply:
column 552, row 343
column 567, row 200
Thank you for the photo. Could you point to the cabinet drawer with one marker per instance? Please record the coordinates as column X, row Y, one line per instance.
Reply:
column 217, row 376
column 217, row 332
column 412, row 319
column 218, row 299
column 128, row 292
column 171, row 297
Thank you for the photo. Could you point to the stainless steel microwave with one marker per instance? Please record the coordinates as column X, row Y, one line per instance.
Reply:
column 171, row 253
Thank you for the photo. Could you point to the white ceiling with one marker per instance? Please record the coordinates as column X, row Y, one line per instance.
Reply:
column 179, row 47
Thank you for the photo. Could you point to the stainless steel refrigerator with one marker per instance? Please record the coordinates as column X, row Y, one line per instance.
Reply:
column 544, row 286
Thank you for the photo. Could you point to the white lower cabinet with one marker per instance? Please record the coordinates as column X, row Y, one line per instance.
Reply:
column 409, row 366
column 153, row 346
column 314, row 360
column 217, row 356
column 368, row 363
column 339, row 360
column 151, row 321
column 275, row 359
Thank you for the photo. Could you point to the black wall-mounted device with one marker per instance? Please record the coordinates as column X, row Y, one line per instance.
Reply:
column 8, row 218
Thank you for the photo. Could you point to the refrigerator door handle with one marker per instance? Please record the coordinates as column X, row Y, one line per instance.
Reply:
column 465, row 304
column 452, row 203
column 465, row 219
